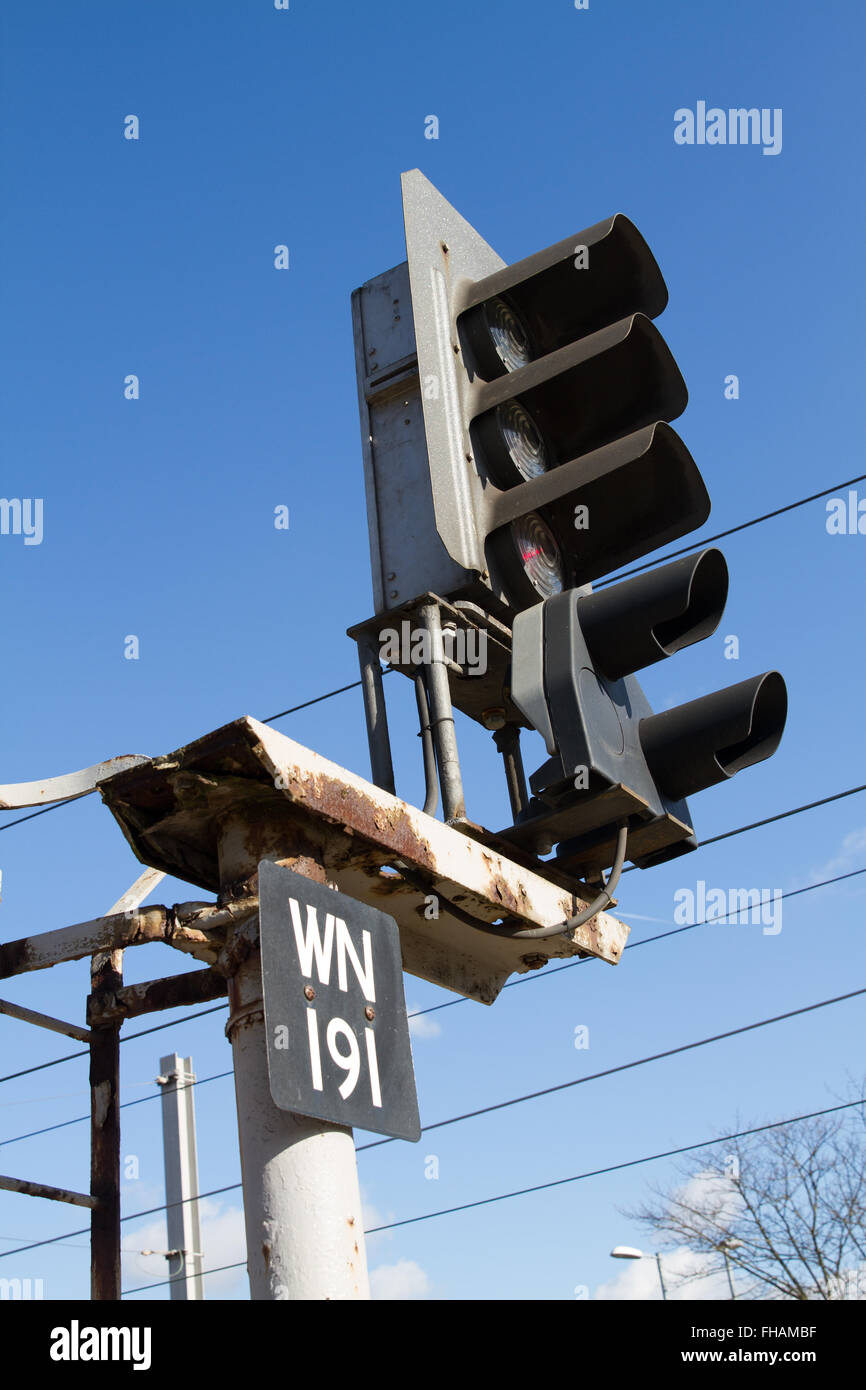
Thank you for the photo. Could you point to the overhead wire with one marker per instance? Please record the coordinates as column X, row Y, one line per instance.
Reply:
column 646, row 941
column 129, row 1037
column 731, row 531
column 499, row 1105
column 625, row 1066
column 449, row 1003
column 613, row 579
column 559, row 1182
column 617, row 1167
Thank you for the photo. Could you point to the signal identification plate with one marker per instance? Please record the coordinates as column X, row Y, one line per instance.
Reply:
column 335, row 1012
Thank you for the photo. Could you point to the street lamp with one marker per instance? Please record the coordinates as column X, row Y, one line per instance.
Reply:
column 731, row 1243
column 628, row 1252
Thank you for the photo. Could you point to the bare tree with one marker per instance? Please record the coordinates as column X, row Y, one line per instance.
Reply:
column 786, row 1207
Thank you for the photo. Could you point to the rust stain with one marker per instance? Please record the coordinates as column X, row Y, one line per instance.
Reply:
column 358, row 814
column 14, row 958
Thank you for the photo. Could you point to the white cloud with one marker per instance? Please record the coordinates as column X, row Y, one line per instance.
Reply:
column 223, row 1242
column 371, row 1216
column 707, row 1191
column 639, row 1279
column 712, row 1193
column 403, row 1280
column 641, row 917
column 850, row 856
column 422, row 1025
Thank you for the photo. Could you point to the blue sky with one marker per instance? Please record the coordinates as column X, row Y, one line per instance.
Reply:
column 155, row 257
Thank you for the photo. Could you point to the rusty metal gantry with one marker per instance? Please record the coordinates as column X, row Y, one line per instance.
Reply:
column 208, row 814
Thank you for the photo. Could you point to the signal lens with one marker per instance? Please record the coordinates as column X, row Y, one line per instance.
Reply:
column 508, row 335
column 539, row 554
column 526, row 448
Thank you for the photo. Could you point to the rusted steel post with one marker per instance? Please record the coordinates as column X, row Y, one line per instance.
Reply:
column 376, row 715
column 302, row 1204
column 507, row 740
column 105, row 977
column 442, row 719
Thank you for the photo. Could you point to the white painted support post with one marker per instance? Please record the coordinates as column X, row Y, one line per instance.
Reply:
column 183, row 1226
column 302, row 1203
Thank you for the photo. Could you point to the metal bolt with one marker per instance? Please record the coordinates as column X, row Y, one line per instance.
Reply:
column 369, row 1013
column 309, row 992
column 534, row 962
column 493, row 718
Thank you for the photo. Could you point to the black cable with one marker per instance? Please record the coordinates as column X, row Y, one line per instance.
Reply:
column 598, row 904
column 158, row 1027
column 164, row 1283
column 646, row 941
column 55, row 1062
column 55, row 805
column 80, row 1119
column 450, row 1003
column 151, row 1211
column 560, row 1182
column 617, row 1167
column 315, row 701
column 638, row 569
column 294, row 710
column 782, row 815
column 732, row 530
column 769, row 820
column 500, row 1105
column 708, row 921
column 626, row 1066
column 130, row 1037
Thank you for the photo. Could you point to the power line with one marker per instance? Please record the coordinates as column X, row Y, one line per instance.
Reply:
column 708, row 921
column 130, row 1037
column 164, row 1283
column 769, row 820
column 451, row 1003
column 782, row 815
column 615, row 579
column 647, row 940
column 626, row 1066
column 151, row 1211
column 560, row 1182
column 499, row 1105
column 76, row 1246
column 317, row 699
column 617, row 1167
column 33, row 814
column 632, row 945
column 732, row 530
column 127, row 1104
